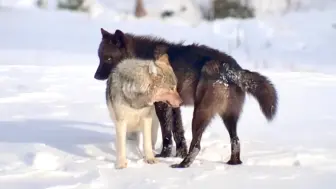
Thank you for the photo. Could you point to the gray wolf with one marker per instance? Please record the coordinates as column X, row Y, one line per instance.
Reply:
column 132, row 88
column 210, row 80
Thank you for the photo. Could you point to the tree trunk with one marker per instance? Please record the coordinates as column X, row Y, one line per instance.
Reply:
column 139, row 9
column 43, row 4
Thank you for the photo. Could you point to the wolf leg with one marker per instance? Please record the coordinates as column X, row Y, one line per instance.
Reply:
column 155, row 128
column 121, row 129
column 147, row 140
column 164, row 114
column 204, row 110
column 230, row 122
column 178, row 133
column 201, row 118
column 230, row 115
column 120, row 141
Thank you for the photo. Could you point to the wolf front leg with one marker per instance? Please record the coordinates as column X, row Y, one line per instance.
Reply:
column 164, row 114
column 171, row 124
column 147, row 140
column 178, row 133
column 121, row 129
column 155, row 128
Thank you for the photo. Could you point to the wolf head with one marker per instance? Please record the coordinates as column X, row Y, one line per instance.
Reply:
column 165, row 82
column 112, row 49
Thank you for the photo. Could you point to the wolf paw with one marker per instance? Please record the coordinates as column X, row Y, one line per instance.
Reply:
column 180, row 165
column 234, row 162
column 162, row 155
column 151, row 160
column 166, row 152
column 121, row 164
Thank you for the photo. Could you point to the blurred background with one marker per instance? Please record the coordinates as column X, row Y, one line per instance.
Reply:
column 259, row 33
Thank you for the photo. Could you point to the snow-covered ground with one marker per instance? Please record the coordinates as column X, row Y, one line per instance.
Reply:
column 55, row 131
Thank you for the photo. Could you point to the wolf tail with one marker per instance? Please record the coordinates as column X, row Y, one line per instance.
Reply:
column 261, row 88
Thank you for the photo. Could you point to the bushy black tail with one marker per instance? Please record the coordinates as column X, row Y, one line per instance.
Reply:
column 262, row 89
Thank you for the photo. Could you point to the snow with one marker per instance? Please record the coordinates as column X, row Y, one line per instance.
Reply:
column 56, row 132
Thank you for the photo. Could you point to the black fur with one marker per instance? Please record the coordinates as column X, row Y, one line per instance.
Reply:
column 210, row 80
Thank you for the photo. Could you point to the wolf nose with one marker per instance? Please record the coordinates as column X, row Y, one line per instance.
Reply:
column 98, row 77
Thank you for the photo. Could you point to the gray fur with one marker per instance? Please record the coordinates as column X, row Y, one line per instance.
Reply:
column 132, row 88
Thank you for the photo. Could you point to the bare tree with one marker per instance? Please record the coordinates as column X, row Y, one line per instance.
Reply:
column 140, row 9
column 42, row 3
column 232, row 8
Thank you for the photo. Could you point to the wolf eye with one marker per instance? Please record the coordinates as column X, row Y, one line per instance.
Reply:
column 109, row 58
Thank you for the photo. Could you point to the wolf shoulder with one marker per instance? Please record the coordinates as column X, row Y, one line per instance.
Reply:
column 132, row 73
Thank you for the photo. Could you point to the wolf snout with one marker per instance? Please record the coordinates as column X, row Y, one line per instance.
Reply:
column 103, row 71
column 98, row 77
column 177, row 104
column 175, row 101
column 172, row 98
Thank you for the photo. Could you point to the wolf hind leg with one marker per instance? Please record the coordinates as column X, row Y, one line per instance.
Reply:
column 230, row 117
column 230, row 122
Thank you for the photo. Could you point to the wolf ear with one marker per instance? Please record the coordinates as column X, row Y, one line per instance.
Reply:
column 119, row 38
column 105, row 34
column 118, row 33
column 152, row 68
column 163, row 59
